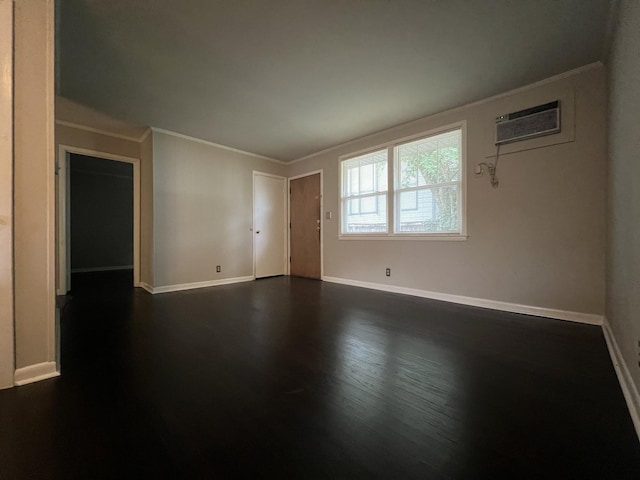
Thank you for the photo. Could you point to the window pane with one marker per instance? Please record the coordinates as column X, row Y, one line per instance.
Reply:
column 353, row 206
column 409, row 200
column 365, row 215
column 353, row 180
column 437, row 211
column 429, row 161
column 368, row 205
column 365, row 174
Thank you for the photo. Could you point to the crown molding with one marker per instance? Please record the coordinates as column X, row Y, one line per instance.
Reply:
column 77, row 126
column 217, row 145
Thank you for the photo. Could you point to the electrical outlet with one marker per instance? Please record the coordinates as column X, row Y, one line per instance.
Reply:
column 388, row 272
column 218, row 269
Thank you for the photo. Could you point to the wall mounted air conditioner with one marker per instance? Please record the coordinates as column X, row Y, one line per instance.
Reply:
column 529, row 123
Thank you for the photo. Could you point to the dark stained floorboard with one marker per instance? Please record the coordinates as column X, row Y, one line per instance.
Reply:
column 295, row 378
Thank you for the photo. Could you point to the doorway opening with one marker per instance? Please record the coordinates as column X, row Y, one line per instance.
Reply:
column 98, row 217
column 101, row 221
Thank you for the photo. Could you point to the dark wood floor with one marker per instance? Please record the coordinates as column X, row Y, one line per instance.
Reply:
column 294, row 378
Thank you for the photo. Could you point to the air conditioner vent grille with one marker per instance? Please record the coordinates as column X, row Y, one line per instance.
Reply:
column 529, row 123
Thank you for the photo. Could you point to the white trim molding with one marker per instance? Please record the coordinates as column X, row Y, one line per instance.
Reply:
column 629, row 389
column 106, row 133
column 145, row 135
column 7, row 350
column 217, row 145
column 429, row 238
column 579, row 317
column 35, row 373
column 191, row 286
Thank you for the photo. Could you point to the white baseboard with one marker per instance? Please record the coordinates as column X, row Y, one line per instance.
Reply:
column 35, row 373
column 629, row 389
column 101, row 269
column 579, row 317
column 191, row 286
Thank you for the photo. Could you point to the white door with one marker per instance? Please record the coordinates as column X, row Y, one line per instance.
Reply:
column 269, row 225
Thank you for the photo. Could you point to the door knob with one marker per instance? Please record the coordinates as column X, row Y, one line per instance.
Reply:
column 257, row 231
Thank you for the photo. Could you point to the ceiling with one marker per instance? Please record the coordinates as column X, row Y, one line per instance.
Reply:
column 287, row 78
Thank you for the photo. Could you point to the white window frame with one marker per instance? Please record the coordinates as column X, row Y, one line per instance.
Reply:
column 372, row 194
column 392, row 208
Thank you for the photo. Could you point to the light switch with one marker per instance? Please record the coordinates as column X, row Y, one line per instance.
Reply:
column 327, row 215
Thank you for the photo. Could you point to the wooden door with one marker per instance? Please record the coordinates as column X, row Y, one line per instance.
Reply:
column 269, row 225
column 305, row 226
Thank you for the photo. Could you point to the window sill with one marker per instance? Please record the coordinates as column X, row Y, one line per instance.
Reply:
column 438, row 238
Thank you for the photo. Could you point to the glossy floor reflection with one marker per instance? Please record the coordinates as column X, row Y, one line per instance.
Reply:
column 294, row 378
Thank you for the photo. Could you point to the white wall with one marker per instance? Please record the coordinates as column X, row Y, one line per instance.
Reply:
column 34, row 189
column 202, row 210
column 537, row 240
column 623, row 245
column 146, row 210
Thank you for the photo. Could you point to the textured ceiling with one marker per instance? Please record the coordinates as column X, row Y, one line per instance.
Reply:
column 286, row 78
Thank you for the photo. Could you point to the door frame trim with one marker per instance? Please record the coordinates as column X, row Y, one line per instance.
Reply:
column 63, row 206
column 285, row 207
column 7, row 314
column 302, row 175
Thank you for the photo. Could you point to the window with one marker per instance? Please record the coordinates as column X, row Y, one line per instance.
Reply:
column 364, row 193
column 426, row 198
column 428, row 173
